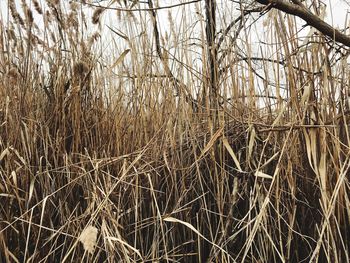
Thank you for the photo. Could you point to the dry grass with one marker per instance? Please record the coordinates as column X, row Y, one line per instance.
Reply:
column 92, row 134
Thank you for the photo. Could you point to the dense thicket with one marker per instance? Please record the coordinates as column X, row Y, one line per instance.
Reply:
column 114, row 129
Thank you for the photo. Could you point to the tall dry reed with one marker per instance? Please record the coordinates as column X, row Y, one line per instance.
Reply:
column 99, row 132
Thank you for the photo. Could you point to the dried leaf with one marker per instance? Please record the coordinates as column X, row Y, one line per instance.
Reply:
column 306, row 94
column 251, row 142
column 262, row 175
column 280, row 115
column 231, row 152
column 309, row 149
column 270, row 160
column 211, row 142
column 175, row 220
column 109, row 238
column 121, row 58
column 4, row 153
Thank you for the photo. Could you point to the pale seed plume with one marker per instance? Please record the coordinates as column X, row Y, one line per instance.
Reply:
column 88, row 238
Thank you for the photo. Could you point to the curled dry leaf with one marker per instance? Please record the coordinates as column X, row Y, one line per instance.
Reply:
column 262, row 175
column 231, row 152
column 88, row 238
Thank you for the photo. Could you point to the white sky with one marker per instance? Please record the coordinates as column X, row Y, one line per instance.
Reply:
column 336, row 12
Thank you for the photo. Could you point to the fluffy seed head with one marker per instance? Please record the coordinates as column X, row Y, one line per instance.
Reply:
column 88, row 238
column 96, row 16
column 37, row 7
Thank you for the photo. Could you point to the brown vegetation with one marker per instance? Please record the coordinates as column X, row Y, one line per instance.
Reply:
column 116, row 140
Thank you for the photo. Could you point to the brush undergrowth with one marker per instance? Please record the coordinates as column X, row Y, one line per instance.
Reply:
column 94, row 135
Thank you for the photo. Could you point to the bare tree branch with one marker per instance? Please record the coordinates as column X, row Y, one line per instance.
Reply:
column 234, row 22
column 312, row 19
column 142, row 9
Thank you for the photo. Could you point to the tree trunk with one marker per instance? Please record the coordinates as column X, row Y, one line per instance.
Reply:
column 212, row 66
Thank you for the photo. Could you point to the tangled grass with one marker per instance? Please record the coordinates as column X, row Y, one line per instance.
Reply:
column 99, row 145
